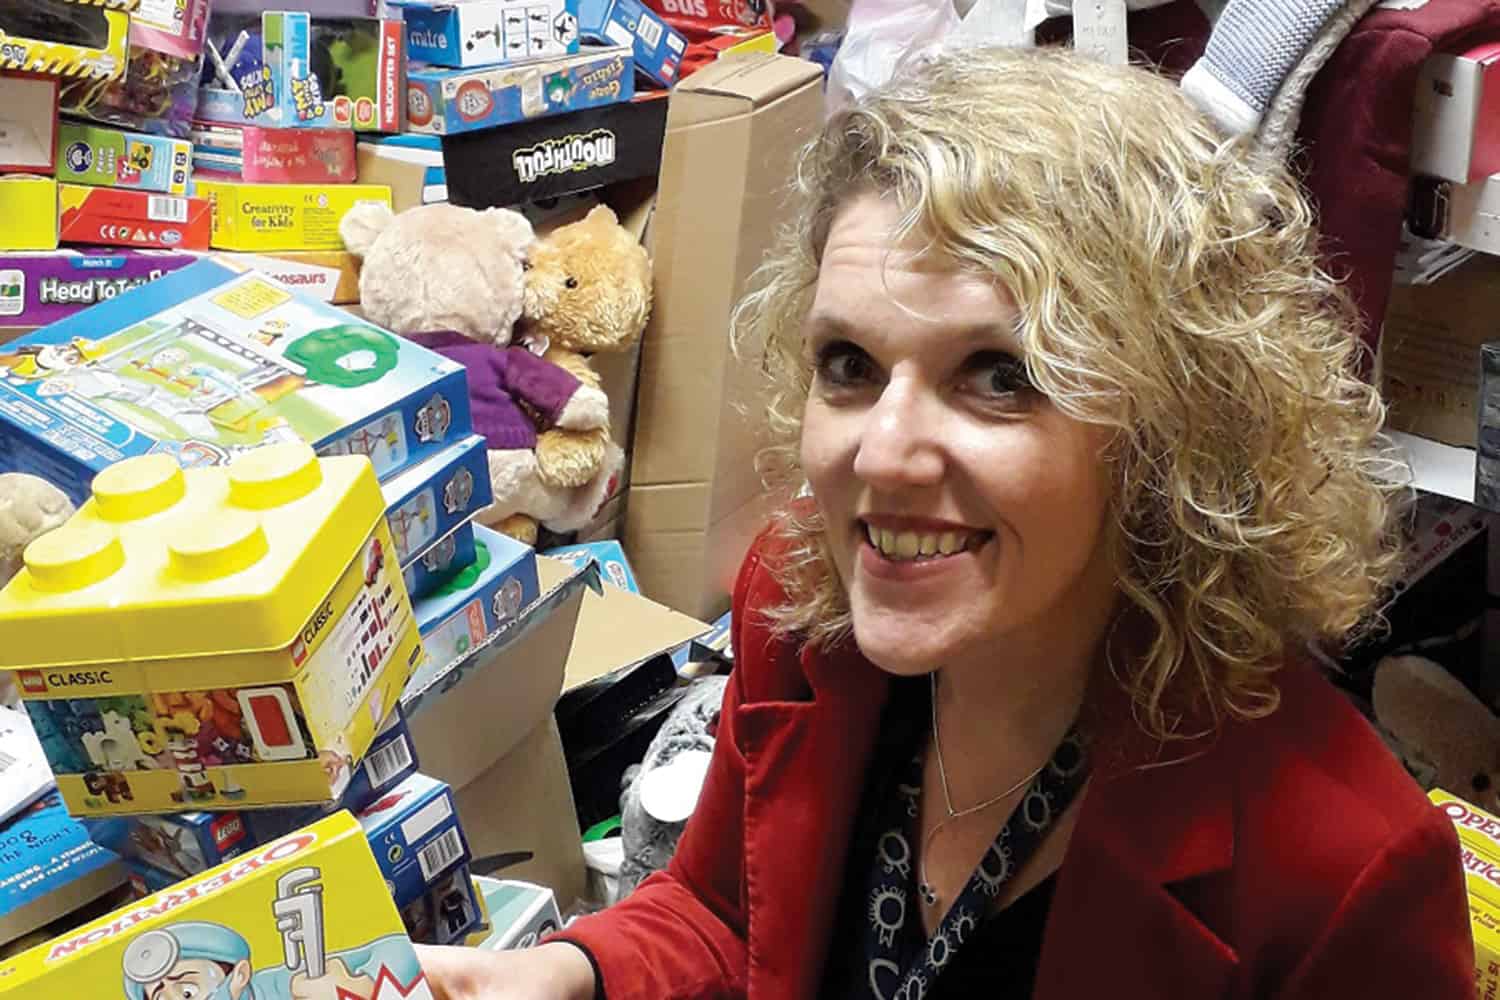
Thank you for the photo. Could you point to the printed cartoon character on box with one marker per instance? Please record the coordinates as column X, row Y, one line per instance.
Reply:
column 197, row 960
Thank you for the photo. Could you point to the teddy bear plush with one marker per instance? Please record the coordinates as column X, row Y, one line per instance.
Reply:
column 452, row 279
column 29, row 508
column 587, row 291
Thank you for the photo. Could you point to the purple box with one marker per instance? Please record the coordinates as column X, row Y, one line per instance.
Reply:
column 43, row 287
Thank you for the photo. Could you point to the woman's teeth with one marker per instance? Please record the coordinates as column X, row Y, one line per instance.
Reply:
column 904, row 545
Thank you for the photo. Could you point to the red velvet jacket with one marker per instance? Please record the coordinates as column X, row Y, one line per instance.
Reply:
column 1293, row 859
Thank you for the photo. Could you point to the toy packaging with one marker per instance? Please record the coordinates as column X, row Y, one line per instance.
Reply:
column 326, row 275
column 298, row 156
column 24, row 774
column 463, row 612
column 489, row 32
column 310, row 909
column 440, row 561
column 1479, row 842
column 448, row 913
column 259, row 217
column 449, row 101
column 610, row 556
column 108, row 157
column 28, row 123
column 207, row 363
column 431, row 499
column 48, row 868
column 658, row 47
column 410, row 165
column 29, row 207
column 520, row 914
column 145, row 880
column 179, row 845
column 269, row 700
column 174, row 27
column 64, row 39
column 416, row 837
column 1455, row 114
column 158, row 94
column 117, row 217
column 46, row 286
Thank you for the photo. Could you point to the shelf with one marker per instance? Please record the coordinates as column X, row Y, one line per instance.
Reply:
column 1438, row 468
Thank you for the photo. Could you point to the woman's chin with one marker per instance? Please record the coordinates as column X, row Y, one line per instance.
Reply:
column 895, row 652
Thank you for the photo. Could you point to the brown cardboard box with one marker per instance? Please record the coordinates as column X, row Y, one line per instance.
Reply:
column 1430, row 351
column 695, row 498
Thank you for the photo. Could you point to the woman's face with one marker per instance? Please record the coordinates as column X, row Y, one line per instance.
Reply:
column 965, row 514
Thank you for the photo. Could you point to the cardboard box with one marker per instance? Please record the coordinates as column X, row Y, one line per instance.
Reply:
column 29, row 207
column 549, row 157
column 47, row 286
column 658, row 47
column 489, row 32
column 1429, row 352
column 272, row 354
column 696, row 500
column 28, row 39
column 410, row 165
column 49, row 868
column 1456, row 115
column 261, row 217
column 28, row 123
column 326, row 275
column 312, row 906
column 116, row 217
column 297, row 156
column 520, row 914
column 432, row 498
column 109, row 157
column 448, row 101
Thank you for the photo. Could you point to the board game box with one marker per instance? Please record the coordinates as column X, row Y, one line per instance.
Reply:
column 109, row 157
column 448, row 101
column 431, row 499
column 441, row 561
column 209, row 362
column 489, row 32
column 45, row 286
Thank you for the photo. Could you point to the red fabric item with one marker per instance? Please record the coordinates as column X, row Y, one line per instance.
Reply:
column 1294, row 859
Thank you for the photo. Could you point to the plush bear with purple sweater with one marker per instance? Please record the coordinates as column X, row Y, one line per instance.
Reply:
column 452, row 279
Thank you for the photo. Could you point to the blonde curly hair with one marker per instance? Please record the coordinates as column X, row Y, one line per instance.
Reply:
column 1168, row 287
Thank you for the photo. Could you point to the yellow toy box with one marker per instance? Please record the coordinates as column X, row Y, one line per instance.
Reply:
column 258, row 217
column 29, row 207
column 1479, row 842
column 306, row 916
column 215, row 638
column 63, row 38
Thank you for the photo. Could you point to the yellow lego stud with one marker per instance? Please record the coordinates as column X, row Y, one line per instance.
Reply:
column 216, row 547
column 139, row 487
column 76, row 555
column 274, row 475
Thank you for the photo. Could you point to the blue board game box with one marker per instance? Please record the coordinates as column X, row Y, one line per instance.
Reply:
column 430, row 499
column 208, row 362
column 448, row 913
column 449, row 101
column 658, row 47
column 49, row 867
column 414, row 831
column 440, row 562
column 178, row 844
column 610, row 556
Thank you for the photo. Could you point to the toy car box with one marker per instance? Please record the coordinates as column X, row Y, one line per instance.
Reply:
column 430, row 499
column 658, row 47
column 109, row 157
column 489, row 32
column 213, row 638
column 415, row 834
column 309, row 909
column 520, row 914
column 448, row 101
column 447, row 913
column 118, row 217
column 314, row 72
column 29, row 207
column 46, row 286
column 440, row 561
column 178, row 845
column 259, row 217
column 206, row 363
column 610, row 555
column 64, row 39
column 459, row 615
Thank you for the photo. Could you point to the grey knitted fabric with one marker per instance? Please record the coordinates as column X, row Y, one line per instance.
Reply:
column 1256, row 43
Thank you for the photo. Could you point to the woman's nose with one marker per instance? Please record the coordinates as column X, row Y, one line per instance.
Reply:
column 899, row 442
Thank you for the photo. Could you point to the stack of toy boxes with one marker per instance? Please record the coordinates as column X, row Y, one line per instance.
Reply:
column 1479, row 840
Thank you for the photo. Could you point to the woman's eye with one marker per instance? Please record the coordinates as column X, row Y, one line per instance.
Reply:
column 996, row 376
column 842, row 364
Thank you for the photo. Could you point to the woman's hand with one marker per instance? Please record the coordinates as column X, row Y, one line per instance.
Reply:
column 547, row 972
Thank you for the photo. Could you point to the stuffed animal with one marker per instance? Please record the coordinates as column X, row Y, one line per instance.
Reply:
column 1446, row 736
column 588, row 291
column 29, row 507
column 451, row 279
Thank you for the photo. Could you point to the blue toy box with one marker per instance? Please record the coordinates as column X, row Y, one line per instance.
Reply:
column 448, row 913
column 208, row 362
column 49, row 867
column 178, row 845
column 459, row 616
column 440, row 562
column 610, row 556
column 488, row 32
column 658, row 47
column 145, row 880
column 448, row 101
column 430, row 499
column 416, row 837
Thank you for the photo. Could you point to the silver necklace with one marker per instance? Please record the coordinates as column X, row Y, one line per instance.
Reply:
column 929, row 894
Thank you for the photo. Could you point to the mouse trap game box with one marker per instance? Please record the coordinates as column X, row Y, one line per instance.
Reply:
column 208, row 362
column 213, row 638
column 305, row 916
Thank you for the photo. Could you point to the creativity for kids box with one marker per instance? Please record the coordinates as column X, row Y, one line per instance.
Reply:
column 305, row 916
column 208, row 362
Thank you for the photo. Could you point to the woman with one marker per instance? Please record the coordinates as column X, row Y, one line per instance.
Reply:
column 1018, row 707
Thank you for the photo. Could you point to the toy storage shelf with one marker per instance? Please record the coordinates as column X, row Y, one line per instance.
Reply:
column 1438, row 468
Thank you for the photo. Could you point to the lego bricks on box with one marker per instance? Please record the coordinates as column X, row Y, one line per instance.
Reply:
column 46, row 286
column 208, row 362
column 489, row 32
column 449, row 101
column 310, row 909
column 108, row 157
column 117, row 217
column 64, row 39
column 269, row 700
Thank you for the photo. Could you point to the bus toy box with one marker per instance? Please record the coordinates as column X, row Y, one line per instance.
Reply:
column 208, row 362
column 431, row 499
column 108, row 157
column 489, row 32
column 212, row 639
column 307, row 915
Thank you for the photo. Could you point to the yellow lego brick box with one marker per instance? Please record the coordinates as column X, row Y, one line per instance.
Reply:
column 261, row 217
column 216, row 638
column 29, row 207
column 305, row 916
column 62, row 38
